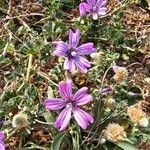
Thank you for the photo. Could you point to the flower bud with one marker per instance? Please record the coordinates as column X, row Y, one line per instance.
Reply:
column 50, row 92
column 111, row 103
column 106, row 90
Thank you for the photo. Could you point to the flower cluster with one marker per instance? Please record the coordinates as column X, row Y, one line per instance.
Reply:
column 74, row 55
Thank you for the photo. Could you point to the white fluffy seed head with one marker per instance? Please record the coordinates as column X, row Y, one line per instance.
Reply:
column 20, row 120
column 144, row 122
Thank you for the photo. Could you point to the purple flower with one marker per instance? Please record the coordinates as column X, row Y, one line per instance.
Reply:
column 70, row 104
column 2, row 145
column 73, row 53
column 93, row 7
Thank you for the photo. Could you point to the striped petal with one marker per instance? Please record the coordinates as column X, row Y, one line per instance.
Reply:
column 63, row 119
column 65, row 89
column 61, row 48
column 82, row 9
column 82, row 118
column 54, row 103
column 86, row 49
column 74, row 38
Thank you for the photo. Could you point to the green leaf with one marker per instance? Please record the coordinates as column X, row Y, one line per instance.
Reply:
column 126, row 146
column 144, row 3
column 48, row 117
column 57, row 141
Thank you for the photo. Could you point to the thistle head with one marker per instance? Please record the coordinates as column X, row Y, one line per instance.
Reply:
column 136, row 114
column 120, row 73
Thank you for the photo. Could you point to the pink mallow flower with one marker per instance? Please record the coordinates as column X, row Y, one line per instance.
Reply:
column 94, row 8
column 2, row 145
column 70, row 104
column 73, row 53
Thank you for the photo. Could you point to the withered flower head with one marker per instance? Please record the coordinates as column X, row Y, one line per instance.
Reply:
column 120, row 73
column 20, row 120
column 135, row 114
column 114, row 132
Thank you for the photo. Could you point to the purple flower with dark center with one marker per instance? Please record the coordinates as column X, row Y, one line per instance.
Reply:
column 73, row 53
column 2, row 145
column 70, row 104
column 93, row 7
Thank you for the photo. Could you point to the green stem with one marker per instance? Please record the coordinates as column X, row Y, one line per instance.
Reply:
column 29, row 67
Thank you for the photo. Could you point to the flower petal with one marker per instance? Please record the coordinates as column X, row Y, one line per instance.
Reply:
column 82, row 64
column 65, row 89
column 81, row 97
column 69, row 65
column 82, row 118
column 82, row 9
column 91, row 2
column 74, row 38
column 102, row 11
column 101, row 3
column 54, row 103
column 84, row 100
column 2, row 146
column 1, row 136
column 80, row 93
column 86, row 49
column 61, row 48
column 63, row 119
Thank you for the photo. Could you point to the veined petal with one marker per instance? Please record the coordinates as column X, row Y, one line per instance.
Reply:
column 91, row 2
column 89, row 8
column 80, row 93
column 69, row 65
column 83, row 118
column 65, row 89
column 101, row 3
column 54, row 103
column 74, row 38
column 61, row 48
column 63, row 119
column 2, row 136
column 84, row 100
column 82, row 9
column 82, row 63
column 86, row 49
column 2, row 146
column 102, row 11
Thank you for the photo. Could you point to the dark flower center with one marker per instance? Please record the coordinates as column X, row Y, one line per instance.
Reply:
column 72, row 53
column 70, row 104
